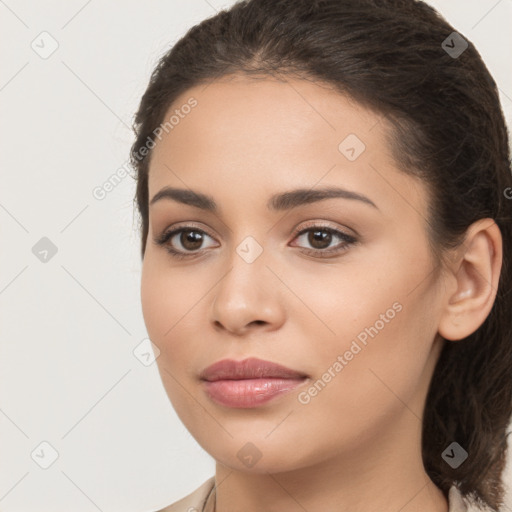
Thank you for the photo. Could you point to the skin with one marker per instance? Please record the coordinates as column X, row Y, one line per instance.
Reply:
column 356, row 446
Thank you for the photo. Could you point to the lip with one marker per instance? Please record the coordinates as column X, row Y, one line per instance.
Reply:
column 248, row 383
column 251, row 368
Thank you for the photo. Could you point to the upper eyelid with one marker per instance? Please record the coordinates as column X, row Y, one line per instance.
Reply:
column 172, row 232
column 309, row 224
column 178, row 228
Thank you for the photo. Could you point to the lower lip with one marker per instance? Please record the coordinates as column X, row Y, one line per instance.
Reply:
column 246, row 393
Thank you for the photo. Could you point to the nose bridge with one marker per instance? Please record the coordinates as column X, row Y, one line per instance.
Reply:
column 247, row 266
column 250, row 239
column 250, row 250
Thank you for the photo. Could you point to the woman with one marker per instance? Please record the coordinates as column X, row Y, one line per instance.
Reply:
column 326, row 257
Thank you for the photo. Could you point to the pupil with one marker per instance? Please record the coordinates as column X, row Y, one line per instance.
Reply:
column 319, row 239
column 191, row 237
column 320, row 236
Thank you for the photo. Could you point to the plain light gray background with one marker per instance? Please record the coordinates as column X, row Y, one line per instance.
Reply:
column 69, row 326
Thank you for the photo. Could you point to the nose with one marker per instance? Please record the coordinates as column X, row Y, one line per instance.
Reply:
column 247, row 297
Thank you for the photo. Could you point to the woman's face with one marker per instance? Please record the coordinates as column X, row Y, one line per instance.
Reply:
column 355, row 309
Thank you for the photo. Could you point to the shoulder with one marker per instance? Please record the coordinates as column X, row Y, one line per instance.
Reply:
column 193, row 502
column 457, row 504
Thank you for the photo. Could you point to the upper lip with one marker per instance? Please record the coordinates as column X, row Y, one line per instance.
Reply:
column 251, row 368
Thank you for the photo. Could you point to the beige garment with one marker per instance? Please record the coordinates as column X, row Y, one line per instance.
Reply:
column 203, row 500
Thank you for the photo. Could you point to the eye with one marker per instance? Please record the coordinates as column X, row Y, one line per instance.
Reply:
column 189, row 238
column 320, row 237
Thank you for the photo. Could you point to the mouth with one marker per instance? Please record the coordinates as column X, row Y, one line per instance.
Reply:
column 251, row 368
column 249, row 383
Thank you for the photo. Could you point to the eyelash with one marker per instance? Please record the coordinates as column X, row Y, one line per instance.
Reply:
column 347, row 239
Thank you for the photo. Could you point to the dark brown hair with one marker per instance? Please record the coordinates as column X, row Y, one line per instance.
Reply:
column 448, row 129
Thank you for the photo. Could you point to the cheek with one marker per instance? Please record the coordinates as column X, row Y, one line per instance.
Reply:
column 165, row 300
column 164, row 297
column 354, row 401
column 171, row 302
column 381, row 321
column 365, row 297
column 153, row 301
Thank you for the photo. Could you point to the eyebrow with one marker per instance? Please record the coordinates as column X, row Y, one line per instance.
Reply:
column 278, row 202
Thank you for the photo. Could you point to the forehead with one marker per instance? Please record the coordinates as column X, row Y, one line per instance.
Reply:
column 245, row 134
column 238, row 113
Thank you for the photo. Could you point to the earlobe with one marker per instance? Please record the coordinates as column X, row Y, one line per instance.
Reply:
column 476, row 273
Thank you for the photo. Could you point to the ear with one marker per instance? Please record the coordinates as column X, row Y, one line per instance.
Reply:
column 474, row 276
